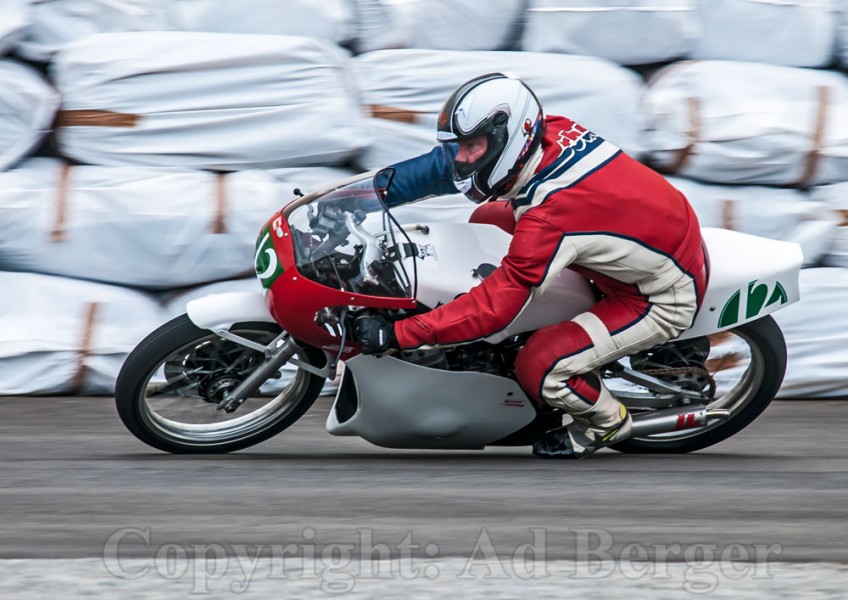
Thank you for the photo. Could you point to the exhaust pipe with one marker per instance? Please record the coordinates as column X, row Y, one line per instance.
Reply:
column 678, row 419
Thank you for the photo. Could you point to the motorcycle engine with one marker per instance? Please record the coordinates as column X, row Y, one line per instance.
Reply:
column 481, row 358
column 434, row 359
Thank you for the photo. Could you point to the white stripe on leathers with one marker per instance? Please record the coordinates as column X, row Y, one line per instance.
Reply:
column 572, row 175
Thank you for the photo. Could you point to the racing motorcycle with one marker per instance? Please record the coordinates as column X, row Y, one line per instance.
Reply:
column 239, row 368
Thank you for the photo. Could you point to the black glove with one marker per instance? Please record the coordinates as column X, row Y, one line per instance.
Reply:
column 374, row 334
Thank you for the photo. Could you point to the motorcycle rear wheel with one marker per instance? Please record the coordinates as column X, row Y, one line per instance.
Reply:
column 167, row 391
column 758, row 382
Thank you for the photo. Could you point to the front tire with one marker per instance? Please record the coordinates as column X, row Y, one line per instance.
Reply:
column 167, row 391
column 758, row 386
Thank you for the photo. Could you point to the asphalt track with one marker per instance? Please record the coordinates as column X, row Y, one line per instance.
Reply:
column 73, row 479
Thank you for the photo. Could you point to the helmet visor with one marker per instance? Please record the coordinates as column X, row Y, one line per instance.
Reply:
column 471, row 156
column 463, row 183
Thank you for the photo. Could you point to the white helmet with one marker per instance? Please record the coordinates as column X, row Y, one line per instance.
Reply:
column 508, row 113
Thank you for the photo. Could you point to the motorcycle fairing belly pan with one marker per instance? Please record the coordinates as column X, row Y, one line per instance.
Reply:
column 403, row 405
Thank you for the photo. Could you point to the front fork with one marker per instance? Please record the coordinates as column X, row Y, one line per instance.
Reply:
column 278, row 353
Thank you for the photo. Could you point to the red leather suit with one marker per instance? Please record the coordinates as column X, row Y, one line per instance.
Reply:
column 589, row 207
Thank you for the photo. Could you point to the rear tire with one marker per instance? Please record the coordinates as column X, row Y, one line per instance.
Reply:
column 172, row 347
column 768, row 357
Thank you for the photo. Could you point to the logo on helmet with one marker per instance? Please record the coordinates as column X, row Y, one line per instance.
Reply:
column 530, row 134
column 443, row 119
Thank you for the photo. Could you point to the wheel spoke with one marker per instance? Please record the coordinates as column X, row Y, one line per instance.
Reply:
column 734, row 365
column 183, row 408
column 175, row 385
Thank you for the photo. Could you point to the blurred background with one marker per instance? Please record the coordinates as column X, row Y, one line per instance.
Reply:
column 144, row 142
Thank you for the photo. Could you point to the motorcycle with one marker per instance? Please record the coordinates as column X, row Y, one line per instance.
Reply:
column 210, row 380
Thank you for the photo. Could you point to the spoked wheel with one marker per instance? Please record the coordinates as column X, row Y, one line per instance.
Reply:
column 168, row 390
column 747, row 365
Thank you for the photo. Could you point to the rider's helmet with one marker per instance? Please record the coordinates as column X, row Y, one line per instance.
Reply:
column 508, row 113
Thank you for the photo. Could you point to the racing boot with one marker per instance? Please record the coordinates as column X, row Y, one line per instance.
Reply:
column 607, row 422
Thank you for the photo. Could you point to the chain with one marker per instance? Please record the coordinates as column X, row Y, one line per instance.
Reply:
column 695, row 371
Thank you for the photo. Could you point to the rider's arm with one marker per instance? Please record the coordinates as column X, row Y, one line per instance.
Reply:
column 427, row 175
column 537, row 253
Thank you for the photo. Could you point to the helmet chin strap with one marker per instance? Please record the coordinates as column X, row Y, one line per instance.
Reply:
column 465, row 185
column 472, row 192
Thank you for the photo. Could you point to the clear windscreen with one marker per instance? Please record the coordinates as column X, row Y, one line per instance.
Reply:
column 347, row 240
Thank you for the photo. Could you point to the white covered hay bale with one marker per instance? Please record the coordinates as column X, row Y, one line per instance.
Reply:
column 775, row 213
column 362, row 25
column 841, row 50
column 61, row 335
column 27, row 109
column 629, row 32
column 14, row 19
column 57, row 23
column 330, row 20
column 207, row 100
column 452, row 25
column 136, row 226
column 794, row 33
column 816, row 331
column 404, row 90
column 309, row 179
column 735, row 122
column 836, row 197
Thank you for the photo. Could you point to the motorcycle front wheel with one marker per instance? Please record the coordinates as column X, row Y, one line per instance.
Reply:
column 747, row 364
column 168, row 390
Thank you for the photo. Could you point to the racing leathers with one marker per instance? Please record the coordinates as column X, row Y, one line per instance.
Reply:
column 580, row 203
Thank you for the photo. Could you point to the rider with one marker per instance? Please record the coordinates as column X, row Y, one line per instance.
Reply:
column 572, row 200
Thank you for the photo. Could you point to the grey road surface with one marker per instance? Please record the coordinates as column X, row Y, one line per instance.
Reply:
column 76, row 485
